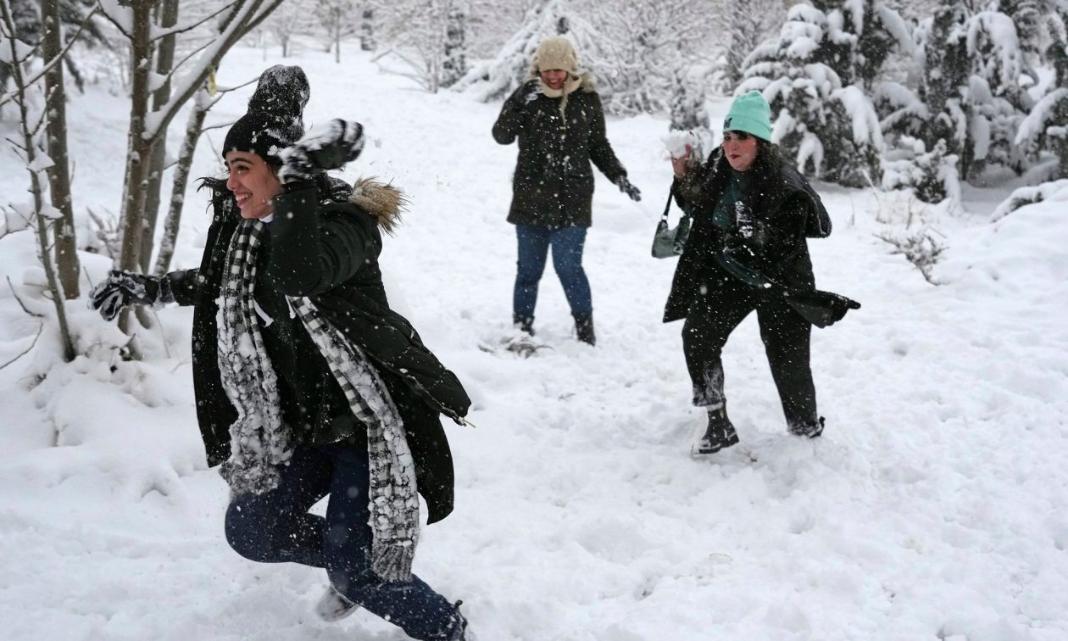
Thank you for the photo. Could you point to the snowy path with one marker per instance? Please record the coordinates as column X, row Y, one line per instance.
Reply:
column 935, row 506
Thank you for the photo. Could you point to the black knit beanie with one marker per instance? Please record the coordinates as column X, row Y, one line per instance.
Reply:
column 274, row 118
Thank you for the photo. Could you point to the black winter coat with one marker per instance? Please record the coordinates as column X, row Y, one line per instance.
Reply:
column 785, row 209
column 325, row 247
column 553, row 181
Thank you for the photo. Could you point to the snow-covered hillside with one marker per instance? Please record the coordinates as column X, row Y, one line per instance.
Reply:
column 935, row 506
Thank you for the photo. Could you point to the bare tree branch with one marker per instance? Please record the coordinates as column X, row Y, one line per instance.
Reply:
column 41, row 73
column 163, row 33
column 113, row 20
column 19, row 300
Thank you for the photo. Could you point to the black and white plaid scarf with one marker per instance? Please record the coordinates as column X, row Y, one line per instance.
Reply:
column 261, row 442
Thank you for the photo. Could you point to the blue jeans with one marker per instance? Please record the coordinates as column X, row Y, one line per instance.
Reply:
column 276, row 527
column 567, row 244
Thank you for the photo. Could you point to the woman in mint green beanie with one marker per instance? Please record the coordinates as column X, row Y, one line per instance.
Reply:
column 752, row 213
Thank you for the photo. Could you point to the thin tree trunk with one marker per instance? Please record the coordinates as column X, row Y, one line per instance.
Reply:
column 201, row 104
column 138, row 149
column 30, row 150
column 164, row 64
column 65, row 246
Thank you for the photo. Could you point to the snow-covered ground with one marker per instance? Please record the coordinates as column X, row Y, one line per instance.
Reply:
column 935, row 506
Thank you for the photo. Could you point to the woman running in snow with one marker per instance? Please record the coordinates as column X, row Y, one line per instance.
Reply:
column 307, row 383
column 747, row 251
column 558, row 119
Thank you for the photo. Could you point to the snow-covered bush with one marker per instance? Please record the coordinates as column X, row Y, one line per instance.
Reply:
column 931, row 175
column 1055, row 190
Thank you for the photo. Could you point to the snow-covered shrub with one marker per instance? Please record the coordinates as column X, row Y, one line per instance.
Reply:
column 931, row 175
column 1055, row 190
column 921, row 247
column 831, row 131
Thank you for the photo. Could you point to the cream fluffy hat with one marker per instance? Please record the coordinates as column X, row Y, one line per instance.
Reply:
column 556, row 52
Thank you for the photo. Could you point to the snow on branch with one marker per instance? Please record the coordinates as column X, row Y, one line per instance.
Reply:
column 158, row 33
column 1034, row 125
column 7, row 97
column 1055, row 190
column 118, row 15
column 243, row 18
column 862, row 113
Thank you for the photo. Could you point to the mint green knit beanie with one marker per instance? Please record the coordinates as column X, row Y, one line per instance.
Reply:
column 750, row 113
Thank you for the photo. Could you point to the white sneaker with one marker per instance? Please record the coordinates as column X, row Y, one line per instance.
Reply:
column 334, row 606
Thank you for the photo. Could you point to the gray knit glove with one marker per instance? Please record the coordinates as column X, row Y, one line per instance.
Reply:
column 121, row 288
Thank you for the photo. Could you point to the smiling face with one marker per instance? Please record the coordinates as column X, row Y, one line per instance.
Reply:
column 740, row 149
column 253, row 183
column 554, row 78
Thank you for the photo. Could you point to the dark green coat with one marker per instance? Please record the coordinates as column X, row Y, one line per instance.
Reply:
column 785, row 209
column 325, row 247
column 553, row 181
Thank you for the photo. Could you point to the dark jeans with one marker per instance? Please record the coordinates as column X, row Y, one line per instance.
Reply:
column 567, row 244
column 786, row 337
column 276, row 527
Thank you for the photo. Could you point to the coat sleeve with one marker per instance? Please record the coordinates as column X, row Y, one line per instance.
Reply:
column 513, row 116
column 691, row 188
column 316, row 248
column 601, row 152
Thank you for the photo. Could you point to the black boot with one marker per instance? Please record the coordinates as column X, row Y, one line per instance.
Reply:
column 584, row 329
column 719, row 434
column 457, row 630
column 811, row 429
column 524, row 324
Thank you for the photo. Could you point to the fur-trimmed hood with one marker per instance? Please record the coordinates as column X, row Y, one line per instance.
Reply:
column 382, row 200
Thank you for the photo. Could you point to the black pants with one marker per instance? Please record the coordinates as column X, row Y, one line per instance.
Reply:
column 786, row 335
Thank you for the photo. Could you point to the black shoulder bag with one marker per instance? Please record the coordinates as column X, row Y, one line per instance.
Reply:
column 667, row 241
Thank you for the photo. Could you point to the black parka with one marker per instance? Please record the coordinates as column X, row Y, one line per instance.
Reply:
column 786, row 211
column 325, row 247
column 553, row 181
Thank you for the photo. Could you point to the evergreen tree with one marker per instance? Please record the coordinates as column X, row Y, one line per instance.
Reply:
column 455, row 63
column 830, row 129
column 1046, row 126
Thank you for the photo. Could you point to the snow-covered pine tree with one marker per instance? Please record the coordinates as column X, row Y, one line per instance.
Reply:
column 746, row 23
column 1046, row 126
column 830, row 129
column 495, row 79
column 455, row 65
column 367, row 28
column 688, row 101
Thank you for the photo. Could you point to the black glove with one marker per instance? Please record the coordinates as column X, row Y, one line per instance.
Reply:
column 121, row 288
column 627, row 188
column 523, row 95
column 327, row 148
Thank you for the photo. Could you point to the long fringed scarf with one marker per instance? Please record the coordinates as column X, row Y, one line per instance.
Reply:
column 261, row 443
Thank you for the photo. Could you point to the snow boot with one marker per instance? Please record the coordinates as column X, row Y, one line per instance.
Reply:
column 524, row 324
column 584, row 329
column 811, row 429
column 719, row 434
column 334, row 606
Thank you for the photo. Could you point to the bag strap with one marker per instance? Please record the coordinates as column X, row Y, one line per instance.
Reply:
column 667, row 205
